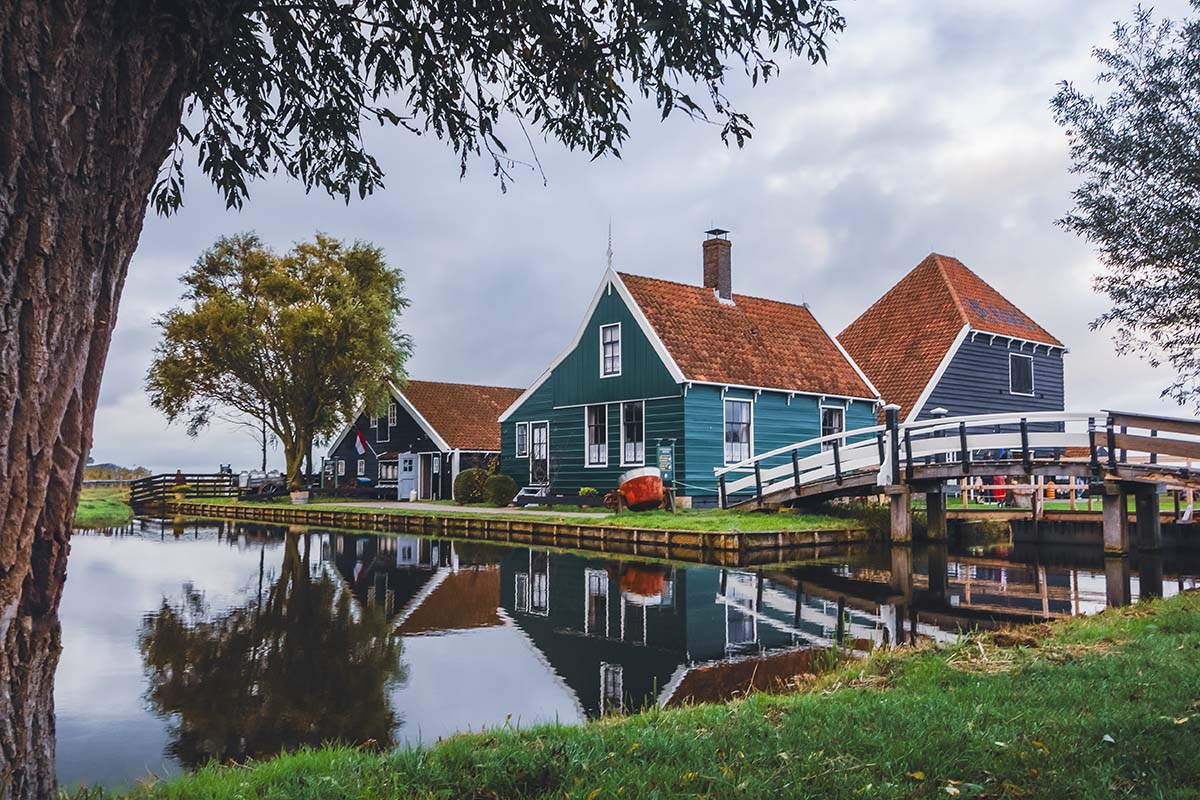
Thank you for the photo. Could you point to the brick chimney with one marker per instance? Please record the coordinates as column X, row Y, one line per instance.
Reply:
column 717, row 275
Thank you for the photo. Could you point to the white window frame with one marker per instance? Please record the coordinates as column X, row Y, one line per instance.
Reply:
column 517, row 451
column 821, row 409
column 620, row 354
column 1032, row 388
column 532, row 424
column 341, row 467
column 724, row 422
column 587, row 443
column 391, row 413
column 362, row 467
column 642, row 461
column 374, row 421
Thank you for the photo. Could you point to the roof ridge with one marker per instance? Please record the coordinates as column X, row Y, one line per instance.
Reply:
column 950, row 286
column 459, row 383
column 803, row 305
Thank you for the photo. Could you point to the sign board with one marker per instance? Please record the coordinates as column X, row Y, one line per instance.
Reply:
column 666, row 461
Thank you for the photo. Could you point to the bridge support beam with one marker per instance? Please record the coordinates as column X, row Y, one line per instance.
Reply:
column 1116, row 581
column 935, row 511
column 1149, row 523
column 901, row 528
column 1116, row 525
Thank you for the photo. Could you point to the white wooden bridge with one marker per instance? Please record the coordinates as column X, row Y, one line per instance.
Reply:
column 1118, row 453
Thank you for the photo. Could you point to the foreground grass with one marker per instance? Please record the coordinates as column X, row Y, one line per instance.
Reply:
column 103, row 507
column 1097, row 707
column 710, row 520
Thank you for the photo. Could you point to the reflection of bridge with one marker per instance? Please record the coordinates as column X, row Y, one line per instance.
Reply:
column 897, row 459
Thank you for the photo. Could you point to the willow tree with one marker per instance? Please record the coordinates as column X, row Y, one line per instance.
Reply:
column 1136, row 147
column 295, row 342
column 102, row 101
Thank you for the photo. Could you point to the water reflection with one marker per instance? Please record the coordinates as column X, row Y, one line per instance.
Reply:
column 248, row 639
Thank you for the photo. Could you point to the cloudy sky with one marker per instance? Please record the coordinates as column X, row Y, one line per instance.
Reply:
column 929, row 130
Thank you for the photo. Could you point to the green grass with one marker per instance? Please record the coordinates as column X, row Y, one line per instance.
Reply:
column 707, row 520
column 1107, row 706
column 103, row 507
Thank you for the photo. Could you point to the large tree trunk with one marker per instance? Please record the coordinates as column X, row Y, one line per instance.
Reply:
column 91, row 96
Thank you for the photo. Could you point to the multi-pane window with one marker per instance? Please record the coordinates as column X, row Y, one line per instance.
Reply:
column 374, row 421
column 833, row 420
column 633, row 433
column 595, row 620
column 737, row 430
column 596, row 422
column 610, row 350
column 362, row 466
column 612, row 687
column 1020, row 374
column 341, row 464
column 522, row 439
column 391, row 414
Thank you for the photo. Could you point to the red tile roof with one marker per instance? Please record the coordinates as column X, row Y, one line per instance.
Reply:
column 463, row 414
column 900, row 340
column 750, row 342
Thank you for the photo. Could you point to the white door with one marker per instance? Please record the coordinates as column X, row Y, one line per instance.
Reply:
column 406, row 482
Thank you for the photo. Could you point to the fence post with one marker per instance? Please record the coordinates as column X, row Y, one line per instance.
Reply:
column 962, row 443
column 1153, row 454
column 1026, row 458
column 721, row 493
column 1112, row 443
column 891, row 415
column 758, row 481
column 837, row 461
column 1093, row 454
column 908, row 465
column 796, row 471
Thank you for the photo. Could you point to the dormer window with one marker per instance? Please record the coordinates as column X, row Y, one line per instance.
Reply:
column 610, row 350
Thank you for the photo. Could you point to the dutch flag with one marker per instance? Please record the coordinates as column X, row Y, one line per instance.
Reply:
column 360, row 444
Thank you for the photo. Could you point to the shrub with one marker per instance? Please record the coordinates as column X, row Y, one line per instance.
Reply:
column 500, row 490
column 588, row 491
column 469, row 485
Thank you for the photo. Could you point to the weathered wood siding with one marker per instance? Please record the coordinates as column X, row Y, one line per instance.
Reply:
column 976, row 381
column 406, row 436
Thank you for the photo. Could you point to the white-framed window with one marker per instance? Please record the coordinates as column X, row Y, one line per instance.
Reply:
column 521, row 591
column 362, row 466
column 408, row 464
column 522, row 439
column 374, row 421
column 595, row 425
column 833, row 420
column 610, row 350
column 596, row 616
column 1020, row 374
column 612, row 687
column 391, row 414
column 341, row 467
column 739, row 423
column 633, row 433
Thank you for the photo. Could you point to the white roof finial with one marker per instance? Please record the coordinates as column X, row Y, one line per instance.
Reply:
column 609, row 252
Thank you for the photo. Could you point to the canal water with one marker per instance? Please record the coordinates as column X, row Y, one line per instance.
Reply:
column 185, row 642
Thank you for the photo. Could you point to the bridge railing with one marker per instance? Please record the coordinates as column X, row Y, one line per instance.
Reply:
column 1169, row 441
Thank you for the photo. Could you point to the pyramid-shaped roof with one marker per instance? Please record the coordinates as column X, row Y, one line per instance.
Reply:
column 902, row 339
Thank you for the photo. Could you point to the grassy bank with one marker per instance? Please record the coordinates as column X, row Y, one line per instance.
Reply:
column 103, row 507
column 1096, row 707
column 713, row 520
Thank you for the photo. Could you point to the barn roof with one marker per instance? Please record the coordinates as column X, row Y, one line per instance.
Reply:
column 750, row 341
column 463, row 414
column 903, row 338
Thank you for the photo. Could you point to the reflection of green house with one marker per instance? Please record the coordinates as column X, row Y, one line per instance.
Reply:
column 724, row 376
column 620, row 634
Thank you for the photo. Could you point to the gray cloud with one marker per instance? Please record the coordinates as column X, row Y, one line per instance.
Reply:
column 928, row 130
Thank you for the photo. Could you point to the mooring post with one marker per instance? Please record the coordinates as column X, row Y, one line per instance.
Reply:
column 1149, row 523
column 1116, row 525
column 935, row 511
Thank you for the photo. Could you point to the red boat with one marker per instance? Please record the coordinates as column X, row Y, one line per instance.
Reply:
column 642, row 488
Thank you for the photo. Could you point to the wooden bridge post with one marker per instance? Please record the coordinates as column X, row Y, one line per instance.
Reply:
column 1116, row 525
column 900, row 531
column 935, row 511
column 1116, row 580
column 891, row 416
column 1149, row 523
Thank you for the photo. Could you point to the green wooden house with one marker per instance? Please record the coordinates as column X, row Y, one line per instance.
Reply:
column 719, row 376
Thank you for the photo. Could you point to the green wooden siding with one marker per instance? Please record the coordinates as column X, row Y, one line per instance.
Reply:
column 776, row 423
column 577, row 378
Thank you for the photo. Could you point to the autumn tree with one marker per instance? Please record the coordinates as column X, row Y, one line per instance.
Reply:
column 1137, row 148
column 103, row 101
column 295, row 342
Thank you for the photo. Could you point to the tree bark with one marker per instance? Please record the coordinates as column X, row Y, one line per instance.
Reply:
column 91, row 97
